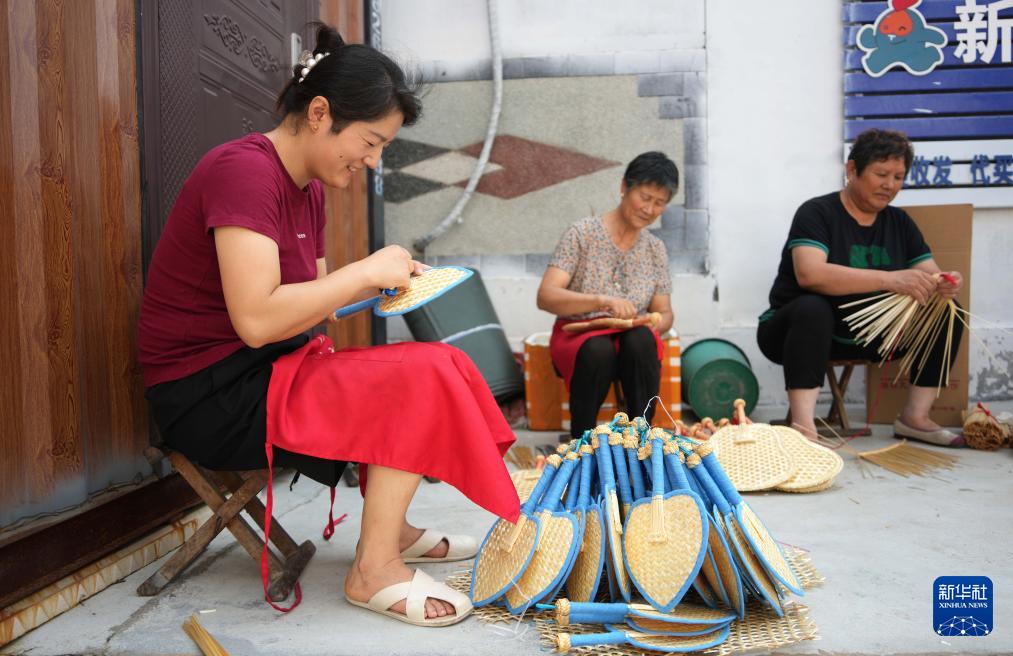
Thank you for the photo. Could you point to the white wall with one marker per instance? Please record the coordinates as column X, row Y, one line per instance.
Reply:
column 457, row 30
column 774, row 134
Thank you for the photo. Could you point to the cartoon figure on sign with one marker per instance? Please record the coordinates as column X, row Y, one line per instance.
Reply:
column 901, row 37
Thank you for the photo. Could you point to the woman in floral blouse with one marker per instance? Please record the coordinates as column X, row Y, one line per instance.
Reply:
column 609, row 265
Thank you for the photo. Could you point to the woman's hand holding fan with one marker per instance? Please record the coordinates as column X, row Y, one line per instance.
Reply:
column 603, row 323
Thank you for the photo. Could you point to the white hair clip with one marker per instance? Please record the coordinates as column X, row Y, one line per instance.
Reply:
column 308, row 60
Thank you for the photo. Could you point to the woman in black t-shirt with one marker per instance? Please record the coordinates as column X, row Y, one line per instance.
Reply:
column 843, row 246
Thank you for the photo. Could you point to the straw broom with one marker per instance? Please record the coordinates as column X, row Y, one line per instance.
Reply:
column 208, row 645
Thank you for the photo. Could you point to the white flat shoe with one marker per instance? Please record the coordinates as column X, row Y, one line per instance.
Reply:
column 415, row 592
column 939, row 437
column 459, row 547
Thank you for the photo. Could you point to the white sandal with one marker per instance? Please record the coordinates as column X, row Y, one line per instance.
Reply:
column 415, row 592
column 459, row 547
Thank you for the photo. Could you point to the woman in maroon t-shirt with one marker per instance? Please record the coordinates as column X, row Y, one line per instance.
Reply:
column 237, row 279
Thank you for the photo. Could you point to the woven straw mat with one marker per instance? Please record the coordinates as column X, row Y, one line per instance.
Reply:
column 421, row 288
column 662, row 566
column 770, row 552
column 554, row 544
column 587, row 566
column 761, row 630
column 816, row 465
column 495, row 567
column 752, row 456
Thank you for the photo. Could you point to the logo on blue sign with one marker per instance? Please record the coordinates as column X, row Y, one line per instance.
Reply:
column 900, row 38
column 962, row 606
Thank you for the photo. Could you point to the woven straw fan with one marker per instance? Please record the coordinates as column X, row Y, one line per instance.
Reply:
column 427, row 286
column 610, row 512
column 751, row 568
column 719, row 568
column 816, row 466
column 508, row 548
column 555, row 549
column 685, row 619
column 665, row 537
column 570, row 506
column 582, row 584
column 671, row 644
column 611, row 323
column 752, row 454
column 763, row 544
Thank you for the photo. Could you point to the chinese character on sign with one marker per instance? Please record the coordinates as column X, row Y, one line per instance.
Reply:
column 979, row 176
column 1003, row 170
column 920, row 172
column 942, row 165
column 981, row 31
column 945, row 592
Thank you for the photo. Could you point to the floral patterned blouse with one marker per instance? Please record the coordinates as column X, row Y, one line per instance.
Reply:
column 597, row 266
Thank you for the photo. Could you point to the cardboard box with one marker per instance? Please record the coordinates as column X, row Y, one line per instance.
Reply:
column 947, row 230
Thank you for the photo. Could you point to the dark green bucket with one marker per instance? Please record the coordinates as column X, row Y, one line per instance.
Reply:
column 715, row 372
column 465, row 317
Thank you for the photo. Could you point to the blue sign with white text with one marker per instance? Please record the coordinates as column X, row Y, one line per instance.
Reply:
column 962, row 606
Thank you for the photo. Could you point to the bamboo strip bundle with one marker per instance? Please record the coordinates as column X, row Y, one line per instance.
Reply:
column 906, row 459
column 207, row 643
column 902, row 324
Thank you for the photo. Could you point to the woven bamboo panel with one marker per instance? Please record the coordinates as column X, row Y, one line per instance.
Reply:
column 587, row 566
column 816, row 465
column 421, row 288
column 752, row 456
column 723, row 561
column 661, row 564
column 742, row 548
column 554, row 542
column 771, row 553
column 496, row 567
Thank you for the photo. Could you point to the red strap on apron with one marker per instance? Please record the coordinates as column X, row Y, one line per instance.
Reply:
column 331, row 522
column 264, row 563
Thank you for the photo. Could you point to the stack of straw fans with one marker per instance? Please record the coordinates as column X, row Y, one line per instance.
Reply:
column 637, row 517
column 763, row 457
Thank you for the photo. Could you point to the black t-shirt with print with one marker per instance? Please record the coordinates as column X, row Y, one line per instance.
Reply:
column 892, row 243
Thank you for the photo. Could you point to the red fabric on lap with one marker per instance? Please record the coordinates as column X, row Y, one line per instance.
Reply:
column 563, row 346
column 421, row 407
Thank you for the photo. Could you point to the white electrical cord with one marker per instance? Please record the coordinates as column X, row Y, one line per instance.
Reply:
column 421, row 243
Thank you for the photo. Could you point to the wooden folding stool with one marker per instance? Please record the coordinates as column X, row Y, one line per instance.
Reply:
column 243, row 488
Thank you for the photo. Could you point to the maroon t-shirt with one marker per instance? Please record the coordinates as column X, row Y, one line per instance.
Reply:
column 184, row 324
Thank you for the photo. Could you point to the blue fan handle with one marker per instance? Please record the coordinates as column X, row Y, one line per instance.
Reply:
column 547, row 475
column 357, row 307
column 636, row 474
column 658, row 466
column 622, row 475
column 589, row 639
column 704, row 478
column 584, row 612
column 724, row 483
column 552, row 497
column 586, row 473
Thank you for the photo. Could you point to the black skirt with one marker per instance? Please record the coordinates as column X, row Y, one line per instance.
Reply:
column 217, row 417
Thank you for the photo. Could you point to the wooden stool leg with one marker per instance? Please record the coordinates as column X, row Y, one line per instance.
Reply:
column 281, row 539
column 225, row 512
column 282, row 576
column 838, row 386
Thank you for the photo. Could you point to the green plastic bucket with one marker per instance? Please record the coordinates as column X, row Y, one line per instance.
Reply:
column 464, row 317
column 715, row 372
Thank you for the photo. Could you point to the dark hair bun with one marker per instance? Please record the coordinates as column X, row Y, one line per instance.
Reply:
column 328, row 39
